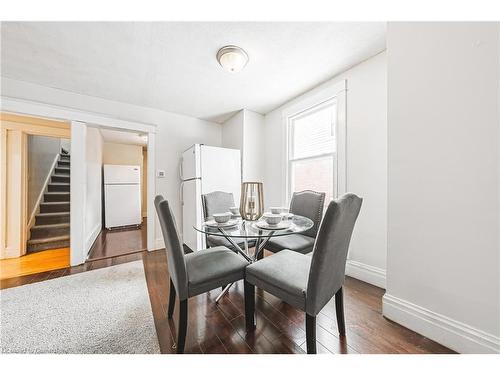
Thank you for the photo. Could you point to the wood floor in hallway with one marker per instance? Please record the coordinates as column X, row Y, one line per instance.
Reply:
column 46, row 260
column 117, row 242
column 219, row 328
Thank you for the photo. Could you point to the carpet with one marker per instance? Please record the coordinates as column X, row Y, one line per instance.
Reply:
column 101, row 311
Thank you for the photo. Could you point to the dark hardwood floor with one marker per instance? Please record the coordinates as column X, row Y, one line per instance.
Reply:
column 220, row 328
column 113, row 243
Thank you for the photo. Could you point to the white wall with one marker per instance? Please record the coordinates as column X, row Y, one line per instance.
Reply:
column 93, row 207
column 443, row 182
column 253, row 140
column 366, row 145
column 175, row 133
column 244, row 131
column 232, row 131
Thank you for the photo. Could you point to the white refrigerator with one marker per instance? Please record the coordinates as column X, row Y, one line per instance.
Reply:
column 122, row 195
column 204, row 169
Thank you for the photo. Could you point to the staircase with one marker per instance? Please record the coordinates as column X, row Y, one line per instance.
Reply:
column 51, row 229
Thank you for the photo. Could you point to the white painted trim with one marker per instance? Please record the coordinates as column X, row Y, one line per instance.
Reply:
column 40, row 196
column 78, row 193
column 92, row 237
column 28, row 107
column 449, row 332
column 308, row 100
column 159, row 244
column 151, row 193
column 364, row 272
column 341, row 97
column 335, row 91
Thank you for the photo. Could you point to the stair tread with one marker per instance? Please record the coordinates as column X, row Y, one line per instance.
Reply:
column 59, row 175
column 45, row 214
column 48, row 239
column 55, row 202
column 59, row 183
column 49, row 226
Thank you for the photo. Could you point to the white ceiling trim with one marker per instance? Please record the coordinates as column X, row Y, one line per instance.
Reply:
column 27, row 107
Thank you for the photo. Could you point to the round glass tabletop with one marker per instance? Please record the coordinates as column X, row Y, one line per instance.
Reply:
column 238, row 228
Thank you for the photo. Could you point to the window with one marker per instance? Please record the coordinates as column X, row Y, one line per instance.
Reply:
column 312, row 156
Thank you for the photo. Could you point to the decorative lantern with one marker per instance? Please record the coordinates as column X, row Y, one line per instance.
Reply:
column 252, row 200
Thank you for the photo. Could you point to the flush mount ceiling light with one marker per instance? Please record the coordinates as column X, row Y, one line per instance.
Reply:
column 232, row 58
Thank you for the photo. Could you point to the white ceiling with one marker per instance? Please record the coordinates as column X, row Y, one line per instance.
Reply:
column 172, row 65
column 129, row 138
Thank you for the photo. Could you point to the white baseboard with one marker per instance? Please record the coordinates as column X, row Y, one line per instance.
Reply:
column 364, row 272
column 442, row 329
column 92, row 237
column 159, row 244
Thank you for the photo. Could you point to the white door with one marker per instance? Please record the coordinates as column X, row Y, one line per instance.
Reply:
column 221, row 170
column 191, row 214
column 122, row 205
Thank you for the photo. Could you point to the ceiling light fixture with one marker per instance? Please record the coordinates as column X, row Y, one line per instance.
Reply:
column 232, row 58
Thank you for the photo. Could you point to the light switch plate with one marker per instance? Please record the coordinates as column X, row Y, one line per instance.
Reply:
column 160, row 173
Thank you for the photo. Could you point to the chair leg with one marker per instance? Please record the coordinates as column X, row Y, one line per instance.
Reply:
column 311, row 334
column 339, row 309
column 249, row 306
column 171, row 300
column 183, row 318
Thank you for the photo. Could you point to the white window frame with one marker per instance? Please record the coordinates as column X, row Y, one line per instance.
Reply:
column 330, row 93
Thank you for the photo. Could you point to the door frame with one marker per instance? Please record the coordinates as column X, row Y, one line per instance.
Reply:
column 14, row 178
column 79, row 121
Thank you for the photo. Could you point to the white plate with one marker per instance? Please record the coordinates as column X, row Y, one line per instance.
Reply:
column 227, row 224
column 261, row 224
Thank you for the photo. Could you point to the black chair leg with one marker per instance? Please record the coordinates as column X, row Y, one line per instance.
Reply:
column 183, row 318
column 339, row 309
column 249, row 306
column 171, row 300
column 311, row 334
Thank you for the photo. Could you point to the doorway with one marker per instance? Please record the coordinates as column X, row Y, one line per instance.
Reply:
column 34, row 192
column 123, row 191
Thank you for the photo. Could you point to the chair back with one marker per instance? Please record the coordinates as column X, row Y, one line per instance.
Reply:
column 216, row 202
column 327, row 271
column 310, row 204
column 173, row 247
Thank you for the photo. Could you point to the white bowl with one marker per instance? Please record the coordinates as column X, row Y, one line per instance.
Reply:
column 272, row 219
column 234, row 210
column 275, row 210
column 222, row 218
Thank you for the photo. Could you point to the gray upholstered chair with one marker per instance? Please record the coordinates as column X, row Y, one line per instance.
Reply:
column 306, row 203
column 194, row 273
column 214, row 203
column 309, row 282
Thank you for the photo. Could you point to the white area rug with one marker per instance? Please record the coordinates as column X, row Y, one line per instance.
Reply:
column 101, row 311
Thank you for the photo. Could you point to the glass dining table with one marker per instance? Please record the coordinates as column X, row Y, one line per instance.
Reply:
column 243, row 232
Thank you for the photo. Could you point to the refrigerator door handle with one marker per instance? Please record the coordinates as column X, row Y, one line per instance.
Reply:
column 180, row 171
column 181, row 195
